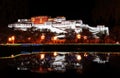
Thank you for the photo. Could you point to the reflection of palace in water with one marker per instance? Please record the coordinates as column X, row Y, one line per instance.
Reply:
column 59, row 25
column 58, row 61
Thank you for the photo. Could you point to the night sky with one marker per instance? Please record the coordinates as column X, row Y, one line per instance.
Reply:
column 92, row 12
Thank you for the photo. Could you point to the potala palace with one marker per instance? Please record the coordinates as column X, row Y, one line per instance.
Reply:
column 58, row 25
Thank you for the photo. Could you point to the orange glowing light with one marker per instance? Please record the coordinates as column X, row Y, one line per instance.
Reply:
column 79, row 57
column 55, row 53
column 78, row 36
column 10, row 39
column 29, row 38
column 42, row 37
column 13, row 37
column 85, row 55
column 55, row 38
column 42, row 56
column 85, row 37
column 12, row 56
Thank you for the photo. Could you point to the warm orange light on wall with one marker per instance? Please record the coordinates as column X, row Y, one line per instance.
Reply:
column 42, row 37
column 78, row 36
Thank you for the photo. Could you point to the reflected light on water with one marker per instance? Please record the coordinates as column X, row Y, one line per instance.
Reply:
column 42, row 56
column 55, row 53
column 79, row 57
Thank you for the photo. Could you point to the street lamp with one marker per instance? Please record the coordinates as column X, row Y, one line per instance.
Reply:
column 11, row 39
column 78, row 36
column 42, row 37
column 54, row 39
column 85, row 37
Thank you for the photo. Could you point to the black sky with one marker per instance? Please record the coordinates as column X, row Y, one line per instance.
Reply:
column 72, row 9
column 90, row 11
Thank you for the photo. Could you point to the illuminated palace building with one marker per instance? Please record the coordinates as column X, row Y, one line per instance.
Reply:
column 59, row 25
